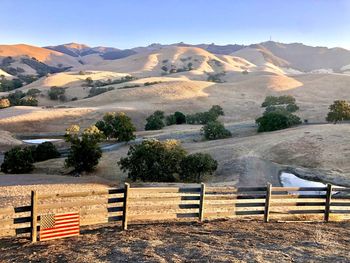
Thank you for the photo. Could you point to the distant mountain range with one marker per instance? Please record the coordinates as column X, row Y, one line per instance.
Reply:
column 296, row 57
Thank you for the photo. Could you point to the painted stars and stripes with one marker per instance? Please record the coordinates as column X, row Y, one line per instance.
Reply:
column 53, row 226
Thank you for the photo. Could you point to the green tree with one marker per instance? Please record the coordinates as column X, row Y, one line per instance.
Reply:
column 153, row 160
column 33, row 92
column 338, row 111
column 214, row 130
column 55, row 92
column 117, row 125
column 18, row 160
column 85, row 152
column 273, row 121
column 45, row 151
column 217, row 110
column 180, row 117
column 170, row 120
column 195, row 167
column 155, row 121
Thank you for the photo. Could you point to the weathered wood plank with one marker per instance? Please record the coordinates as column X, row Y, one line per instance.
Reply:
column 298, row 196
column 83, row 193
column 125, row 206
column 34, row 216
column 138, row 191
column 304, row 189
column 328, row 202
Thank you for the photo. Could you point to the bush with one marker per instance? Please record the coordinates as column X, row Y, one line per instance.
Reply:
column 205, row 117
column 273, row 121
column 117, row 125
column 176, row 118
column 94, row 91
column 180, row 117
column 18, row 160
column 217, row 110
column 170, row 120
column 4, row 103
column 33, row 92
column 155, row 121
column 338, row 111
column 85, row 152
column 45, row 151
column 195, row 167
column 153, row 160
column 292, row 107
column 151, row 83
column 30, row 101
column 55, row 92
column 214, row 130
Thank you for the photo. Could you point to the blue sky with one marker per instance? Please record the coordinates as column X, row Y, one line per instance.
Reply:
column 131, row 23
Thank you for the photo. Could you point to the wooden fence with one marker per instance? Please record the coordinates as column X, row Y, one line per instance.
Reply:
column 141, row 205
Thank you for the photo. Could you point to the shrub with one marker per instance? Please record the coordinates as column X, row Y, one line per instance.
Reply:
column 55, row 92
column 180, row 117
column 155, row 121
column 18, row 160
column 45, row 151
column 170, row 120
column 89, row 81
column 338, row 111
column 216, row 77
column 217, row 110
column 292, row 107
column 214, row 130
column 85, row 152
column 97, row 91
column 273, row 121
column 117, row 125
column 4, row 103
column 153, row 160
column 74, row 99
column 30, row 101
column 151, row 83
column 195, row 167
column 33, row 92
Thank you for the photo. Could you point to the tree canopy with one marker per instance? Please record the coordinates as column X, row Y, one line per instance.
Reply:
column 338, row 111
column 118, row 126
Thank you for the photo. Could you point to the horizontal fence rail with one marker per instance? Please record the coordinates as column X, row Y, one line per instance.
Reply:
column 147, row 204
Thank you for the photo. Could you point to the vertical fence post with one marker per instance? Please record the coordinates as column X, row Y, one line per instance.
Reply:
column 201, row 202
column 328, row 202
column 125, row 207
column 34, row 216
column 267, row 203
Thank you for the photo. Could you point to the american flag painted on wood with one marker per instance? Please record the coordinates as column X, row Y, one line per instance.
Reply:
column 54, row 226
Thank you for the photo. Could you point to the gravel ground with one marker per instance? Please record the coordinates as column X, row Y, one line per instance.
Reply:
column 216, row 241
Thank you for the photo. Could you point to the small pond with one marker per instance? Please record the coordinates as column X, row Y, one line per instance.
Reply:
column 291, row 180
column 41, row 140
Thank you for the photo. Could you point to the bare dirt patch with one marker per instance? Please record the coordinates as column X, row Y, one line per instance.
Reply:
column 218, row 241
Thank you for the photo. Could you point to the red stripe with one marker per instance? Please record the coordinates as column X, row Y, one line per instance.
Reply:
column 61, row 235
column 60, row 227
column 58, row 231
column 73, row 214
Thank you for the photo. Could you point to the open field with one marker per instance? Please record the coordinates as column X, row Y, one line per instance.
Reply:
column 219, row 241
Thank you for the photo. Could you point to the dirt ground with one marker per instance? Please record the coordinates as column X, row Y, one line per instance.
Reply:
column 217, row 241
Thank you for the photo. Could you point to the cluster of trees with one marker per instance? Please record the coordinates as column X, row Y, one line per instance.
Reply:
column 18, row 98
column 57, row 93
column 216, row 77
column 167, row 161
column 21, row 160
column 89, row 82
column 94, row 91
column 278, row 114
column 212, row 129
